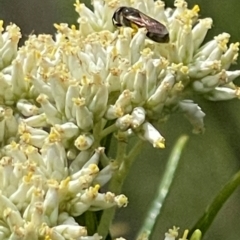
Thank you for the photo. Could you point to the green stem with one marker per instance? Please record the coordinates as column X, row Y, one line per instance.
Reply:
column 96, row 134
column 110, row 129
column 117, row 181
column 163, row 189
column 210, row 213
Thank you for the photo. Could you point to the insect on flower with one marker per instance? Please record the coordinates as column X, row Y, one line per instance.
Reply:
column 131, row 17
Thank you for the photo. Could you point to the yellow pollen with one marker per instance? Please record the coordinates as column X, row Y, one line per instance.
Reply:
column 28, row 177
column 196, row 9
column 1, row 26
column 64, row 183
column 94, row 168
column 160, row 143
column 57, row 26
column 79, row 101
column 73, row 27
column 26, row 137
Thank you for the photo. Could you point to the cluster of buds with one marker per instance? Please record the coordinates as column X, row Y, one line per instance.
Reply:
column 58, row 96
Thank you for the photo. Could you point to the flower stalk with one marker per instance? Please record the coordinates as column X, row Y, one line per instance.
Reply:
column 124, row 162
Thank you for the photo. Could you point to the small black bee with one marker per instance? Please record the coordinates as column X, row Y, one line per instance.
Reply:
column 131, row 17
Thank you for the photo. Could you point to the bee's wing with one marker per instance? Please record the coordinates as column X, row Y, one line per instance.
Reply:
column 135, row 18
column 151, row 24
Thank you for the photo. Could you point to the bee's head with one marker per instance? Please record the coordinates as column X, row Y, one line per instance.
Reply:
column 118, row 16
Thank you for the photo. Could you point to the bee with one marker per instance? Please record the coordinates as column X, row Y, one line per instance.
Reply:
column 131, row 17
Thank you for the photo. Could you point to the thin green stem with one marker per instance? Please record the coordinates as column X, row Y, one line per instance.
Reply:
column 110, row 129
column 210, row 213
column 163, row 189
column 117, row 181
column 96, row 133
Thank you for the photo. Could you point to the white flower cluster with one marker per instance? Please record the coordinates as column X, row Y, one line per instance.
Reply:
column 40, row 195
column 58, row 96
column 161, row 77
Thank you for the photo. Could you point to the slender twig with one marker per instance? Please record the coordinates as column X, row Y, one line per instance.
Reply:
column 210, row 213
column 117, row 181
column 110, row 129
column 164, row 186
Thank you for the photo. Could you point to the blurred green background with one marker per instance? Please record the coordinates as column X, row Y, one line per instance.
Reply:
column 209, row 160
